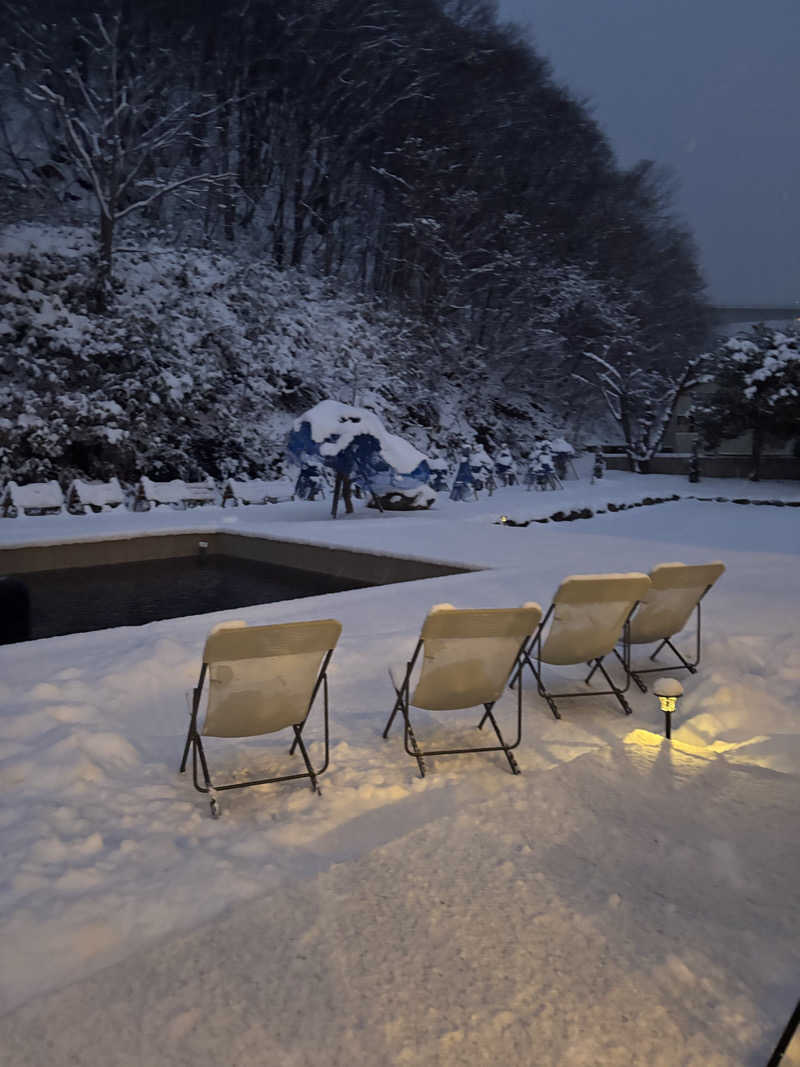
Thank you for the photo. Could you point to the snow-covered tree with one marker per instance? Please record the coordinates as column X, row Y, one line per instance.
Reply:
column 117, row 119
column 640, row 400
column 756, row 383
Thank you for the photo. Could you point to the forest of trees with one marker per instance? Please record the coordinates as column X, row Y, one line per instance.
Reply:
column 419, row 153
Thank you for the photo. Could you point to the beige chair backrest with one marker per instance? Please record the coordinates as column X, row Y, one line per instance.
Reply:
column 674, row 593
column 261, row 677
column 469, row 654
column 589, row 612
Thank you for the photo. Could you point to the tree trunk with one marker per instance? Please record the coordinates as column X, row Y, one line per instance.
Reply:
column 758, row 442
column 299, row 226
column 278, row 237
column 102, row 293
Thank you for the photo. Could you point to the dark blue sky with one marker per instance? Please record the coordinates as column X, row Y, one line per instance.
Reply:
column 710, row 88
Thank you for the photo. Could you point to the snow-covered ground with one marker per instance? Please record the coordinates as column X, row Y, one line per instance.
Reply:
column 622, row 901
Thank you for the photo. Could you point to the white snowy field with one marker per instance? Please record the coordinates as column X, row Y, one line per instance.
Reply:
column 623, row 901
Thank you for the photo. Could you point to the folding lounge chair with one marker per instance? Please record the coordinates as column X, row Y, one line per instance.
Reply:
column 261, row 679
column 589, row 614
column 468, row 657
column 676, row 590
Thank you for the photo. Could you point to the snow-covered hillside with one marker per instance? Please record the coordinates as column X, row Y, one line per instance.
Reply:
column 203, row 361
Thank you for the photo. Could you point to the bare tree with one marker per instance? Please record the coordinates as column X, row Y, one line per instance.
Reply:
column 123, row 128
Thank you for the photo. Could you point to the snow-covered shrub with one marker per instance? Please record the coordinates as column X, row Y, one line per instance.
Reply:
column 38, row 498
column 256, row 491
column 175, row 493
column 83, row 497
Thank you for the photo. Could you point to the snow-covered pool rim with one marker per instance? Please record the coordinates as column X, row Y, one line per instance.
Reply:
column 364, row 565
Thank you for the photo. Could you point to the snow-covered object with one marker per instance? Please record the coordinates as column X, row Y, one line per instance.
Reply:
column 541, row 472
column 562, row 453
column 310, row 482
column 482, row 469
column 39, row 498
column 464, row 484
column 440, row 474
column 176, row 493
column 667, row 687
column 481, row 463
column 256, row 491
column 419, row 498
column 96, row 496
column 542, row 461
column 505, row 467
column 354, row 442
column 558, row 444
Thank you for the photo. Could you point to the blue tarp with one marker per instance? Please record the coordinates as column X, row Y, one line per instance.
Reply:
column 310, row 483
column 361, row 461
column 464, row 484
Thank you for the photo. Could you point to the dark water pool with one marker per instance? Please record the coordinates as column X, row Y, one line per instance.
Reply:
column 78, row 599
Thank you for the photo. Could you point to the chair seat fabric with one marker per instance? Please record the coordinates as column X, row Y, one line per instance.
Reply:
column 469, row 655
column 261, row 678
column 589, row 612
column 675, row 591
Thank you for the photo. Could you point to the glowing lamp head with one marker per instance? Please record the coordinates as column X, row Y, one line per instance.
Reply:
column 667, row 703
column 503, row 519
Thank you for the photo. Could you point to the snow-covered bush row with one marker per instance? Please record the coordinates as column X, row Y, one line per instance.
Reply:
column 202, row 362
column 46, row 498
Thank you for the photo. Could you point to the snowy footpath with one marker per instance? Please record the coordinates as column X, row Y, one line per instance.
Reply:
column 623, row 901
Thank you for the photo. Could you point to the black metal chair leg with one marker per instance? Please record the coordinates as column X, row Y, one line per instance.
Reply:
column 509, row 754
column 639, row 682
column 186, row 750
column 617, row 692
column 690, row 667
column 311, row 773
column 201, row 753
column 415, row 750
column 193, row 720
column 664, row 642
column 395, row 710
